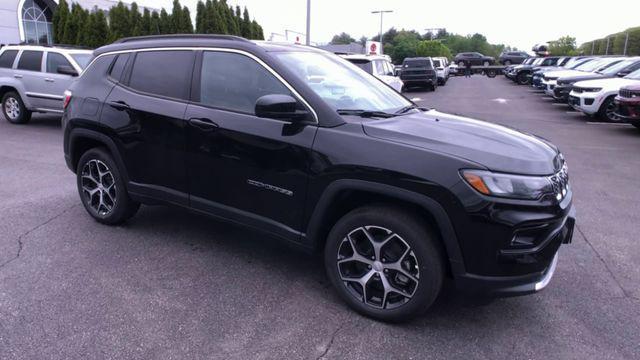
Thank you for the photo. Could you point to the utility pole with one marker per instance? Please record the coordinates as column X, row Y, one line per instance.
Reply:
column 626, row 42
column 381, row 12
column 308, row 41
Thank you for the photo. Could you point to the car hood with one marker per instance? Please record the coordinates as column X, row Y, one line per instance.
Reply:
column 563, row 73
column 495, row 147
column 582, row 77
column 607, row 84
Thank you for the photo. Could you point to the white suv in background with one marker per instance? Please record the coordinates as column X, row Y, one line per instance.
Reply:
column 378, row 66
column 34, row 78
column 442, row 69
column 596, row 97
column 550, row 79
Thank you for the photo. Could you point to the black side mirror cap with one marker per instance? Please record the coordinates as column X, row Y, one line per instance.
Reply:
column 66, row 70
column 280, row 107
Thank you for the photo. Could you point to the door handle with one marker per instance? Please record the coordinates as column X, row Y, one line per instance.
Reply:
column 17, row 76
column 119, row 105
column 203, row 124
column 49, row 80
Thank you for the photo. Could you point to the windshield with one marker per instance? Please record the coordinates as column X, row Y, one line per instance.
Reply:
column 537, row 61
column 578, row 63
column 82, row 59
column 436, row 63
column 615, row 68
column 634, row 75
column 607, row 65
column 422, row 63
column 340, row 84
column 591, row 65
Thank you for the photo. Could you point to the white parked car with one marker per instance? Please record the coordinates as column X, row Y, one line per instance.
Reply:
column 596, row 97
column 378, row 66
column 550, row 79
column 442, row 70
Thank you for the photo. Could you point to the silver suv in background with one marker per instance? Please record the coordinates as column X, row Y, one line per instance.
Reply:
column 34, row 78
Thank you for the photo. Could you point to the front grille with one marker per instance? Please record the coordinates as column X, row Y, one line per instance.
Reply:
column 626, row 93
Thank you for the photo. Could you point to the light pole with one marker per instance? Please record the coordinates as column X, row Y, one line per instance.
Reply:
column 381, row 12
column 308, row 40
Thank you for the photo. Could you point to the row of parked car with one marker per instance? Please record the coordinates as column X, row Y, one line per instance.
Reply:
column 606, row 87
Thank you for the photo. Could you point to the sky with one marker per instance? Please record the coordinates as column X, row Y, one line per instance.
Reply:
column 509, row 22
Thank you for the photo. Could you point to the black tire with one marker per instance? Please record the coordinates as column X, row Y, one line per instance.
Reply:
column 114, row 204
column 423, row 255
column 607, row 111
column 14, row 110
column 522, row 78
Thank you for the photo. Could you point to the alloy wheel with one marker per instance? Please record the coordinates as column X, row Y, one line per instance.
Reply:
column 98, row 187
column 12, row 108
column 378, row 267
column 610, row 112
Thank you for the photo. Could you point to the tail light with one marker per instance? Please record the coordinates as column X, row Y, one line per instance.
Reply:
column 67, row 99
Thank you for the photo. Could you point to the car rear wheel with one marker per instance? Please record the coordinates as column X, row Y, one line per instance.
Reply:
column 608, row 111
column 522, row 79
column 384, row 262
column 14, row 110
column 102, row 188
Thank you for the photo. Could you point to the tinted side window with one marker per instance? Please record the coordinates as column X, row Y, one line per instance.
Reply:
column 118, row 67
column 234, row 82
column 54, row 60
column 7, row 58
column 165, row 73
column 30, row 60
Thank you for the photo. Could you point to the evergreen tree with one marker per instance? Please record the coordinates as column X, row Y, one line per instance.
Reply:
column 165, row 22
column 187, row 25
column 232, row 26
column 145, row 22
column 83, row 17
column 135, row 20
column 154, row 25
column 100, row 29
column 85, row 35
column 72, row 25
column 220, row 18
column 200, row 17
column 119, row 22
column 245, row 28
column 176, row 18
column 60, row 16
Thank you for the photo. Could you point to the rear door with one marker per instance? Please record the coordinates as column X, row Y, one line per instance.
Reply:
column 54, row 83
column 145, row 112
column 29, row 73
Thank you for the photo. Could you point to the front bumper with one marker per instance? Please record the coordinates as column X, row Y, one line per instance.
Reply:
column 628, row 110
column 549, row 87
column 561, row 92
column 588, row 103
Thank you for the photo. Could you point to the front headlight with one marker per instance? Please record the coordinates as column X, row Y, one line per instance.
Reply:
column 591, row 89
column 515, row 186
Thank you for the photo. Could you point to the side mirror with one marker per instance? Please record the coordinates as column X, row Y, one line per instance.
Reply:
column 623, row 73
column 66, row 70
column 281, row 107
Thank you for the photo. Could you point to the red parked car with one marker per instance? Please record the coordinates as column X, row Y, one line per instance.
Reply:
column 628, row 101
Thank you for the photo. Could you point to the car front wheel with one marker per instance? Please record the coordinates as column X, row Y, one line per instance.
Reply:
column 384, row 262
column 102, row 188
column 608, row 111
column 14, row 110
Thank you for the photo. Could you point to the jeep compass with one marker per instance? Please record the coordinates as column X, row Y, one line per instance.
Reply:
column 306, row 147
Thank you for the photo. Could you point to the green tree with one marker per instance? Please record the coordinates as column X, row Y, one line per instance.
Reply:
column 72, row 25
column 165, row 23
column 216, row 19
column 135, row 20
column 256, row 31
column 60, row 16
column 176, row 18
column 232, row 25
column 245, row 27
column 187, row 25
column 342, row 38
column 566, row 45
column 145, row 22
column 83, row 18
column 432, row 48
column 154, row 25
column 96, row 31
column 200, row 17
column 119, row 22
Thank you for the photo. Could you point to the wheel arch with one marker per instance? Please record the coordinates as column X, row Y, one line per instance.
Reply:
column 12, row 85
column 344, row 195
column 82, row 140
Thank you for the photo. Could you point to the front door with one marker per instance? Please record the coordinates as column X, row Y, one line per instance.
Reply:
column 54, row 84
column 253, row 170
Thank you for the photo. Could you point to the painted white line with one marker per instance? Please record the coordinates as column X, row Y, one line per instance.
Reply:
column 559, row 104
column 416, row 99
column 500, row 100
column 573, row 112
column 606, row 123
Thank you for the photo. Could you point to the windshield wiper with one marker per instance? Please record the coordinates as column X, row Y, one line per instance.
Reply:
column 365, row 113
column 407, row 109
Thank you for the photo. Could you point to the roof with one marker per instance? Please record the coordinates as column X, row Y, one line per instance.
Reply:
column 364, row 57
column 353, row 48
column 47, row 48
column 197, row 40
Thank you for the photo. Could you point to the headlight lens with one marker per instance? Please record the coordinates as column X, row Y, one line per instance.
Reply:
column 508, row 185
column 591, row 89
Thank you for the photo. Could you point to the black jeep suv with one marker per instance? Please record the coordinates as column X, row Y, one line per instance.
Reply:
column 300, row 144
column 419, row 71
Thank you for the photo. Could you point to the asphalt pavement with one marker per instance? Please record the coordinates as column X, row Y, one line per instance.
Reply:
column 173, row 285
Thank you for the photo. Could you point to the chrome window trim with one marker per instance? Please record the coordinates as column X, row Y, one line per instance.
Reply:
column 206, row 48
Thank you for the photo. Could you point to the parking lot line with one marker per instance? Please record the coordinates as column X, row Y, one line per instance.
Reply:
column 607, row 123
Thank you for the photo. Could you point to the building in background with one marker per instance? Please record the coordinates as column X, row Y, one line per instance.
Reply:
column 30, row 21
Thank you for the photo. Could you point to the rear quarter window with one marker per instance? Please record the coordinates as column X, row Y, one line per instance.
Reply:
column 7, row 58
column 165, row 73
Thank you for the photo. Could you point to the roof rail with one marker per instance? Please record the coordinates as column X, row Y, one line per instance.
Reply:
column 181, row 36
column 60, row 46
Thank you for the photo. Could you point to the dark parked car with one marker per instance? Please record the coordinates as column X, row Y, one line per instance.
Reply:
column 419, row 71
column 628, row 104
column 296, row 143
column 570, row 64
column 522, row 74
column 473, row 58
column 512, row 57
